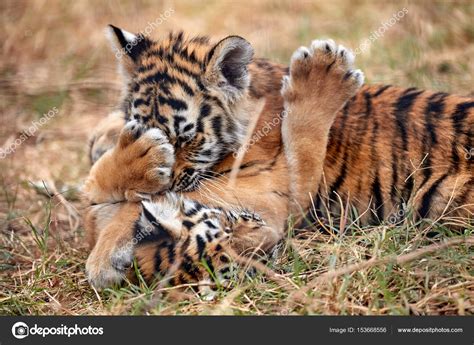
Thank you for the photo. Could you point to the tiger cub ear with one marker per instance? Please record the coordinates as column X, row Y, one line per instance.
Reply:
column 227, row 65
column 127, row 47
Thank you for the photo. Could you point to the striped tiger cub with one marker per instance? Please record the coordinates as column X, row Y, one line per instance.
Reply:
column 162, row 189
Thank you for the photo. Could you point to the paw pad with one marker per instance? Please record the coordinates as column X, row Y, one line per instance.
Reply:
column 325, row 65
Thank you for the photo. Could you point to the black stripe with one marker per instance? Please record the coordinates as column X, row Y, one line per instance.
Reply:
column 210, row 224
column 197, row 207
column 201, row 245
column 191, row 58
column 368, row 104
column 217, row 126
column 178, row 41
column 201, row 161
column 156, row 114
column 158, row 260
column 434, row 110
column 342, row 175
column 336, row 137
column 171, row 254
column 426, row 201
column 159, row 232
column 188, row 224
column 224, row 259
column 142, row 69
column 151, row 218
column 186, row 88
column 402, row 108
column 408, row 188
column 209, row 263
column 177, row 119
column 139, row 101
column 345, row 115
column 135, row 87
column 176, row 104
column 381, row 90
column 189, row 267
column 157, row 78
column 427, row 169
column 393, row 189
column 184, row 70
column 215, row 101
column 360, row 124
column 164, row 80
column 203, row 112
column 188, row 127
column 376, row 186
column 458, row 118
column 377, row 192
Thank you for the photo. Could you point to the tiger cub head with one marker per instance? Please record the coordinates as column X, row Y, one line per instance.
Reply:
column 195, row 91
column 183, row 240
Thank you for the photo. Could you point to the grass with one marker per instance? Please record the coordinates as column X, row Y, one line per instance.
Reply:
column 389, row 270
column 55, row 55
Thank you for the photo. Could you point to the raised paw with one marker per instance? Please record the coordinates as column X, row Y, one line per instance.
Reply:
column 139, row 165
column 322, row 73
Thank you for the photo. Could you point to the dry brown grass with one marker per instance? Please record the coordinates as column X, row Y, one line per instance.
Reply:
column 54, row 54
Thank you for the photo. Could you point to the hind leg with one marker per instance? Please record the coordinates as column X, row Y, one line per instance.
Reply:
column 320, row 82
column 448, row 197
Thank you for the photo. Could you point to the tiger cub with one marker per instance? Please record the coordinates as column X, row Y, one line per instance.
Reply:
column 377, row 147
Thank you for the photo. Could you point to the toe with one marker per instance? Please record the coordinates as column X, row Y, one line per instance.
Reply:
column 358, row 77
column 131, row 132
column 155, row 134
column 300, row 54
column 346, row 56
column 326, row 46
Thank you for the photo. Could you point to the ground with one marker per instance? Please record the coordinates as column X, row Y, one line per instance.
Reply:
column 55, row 59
